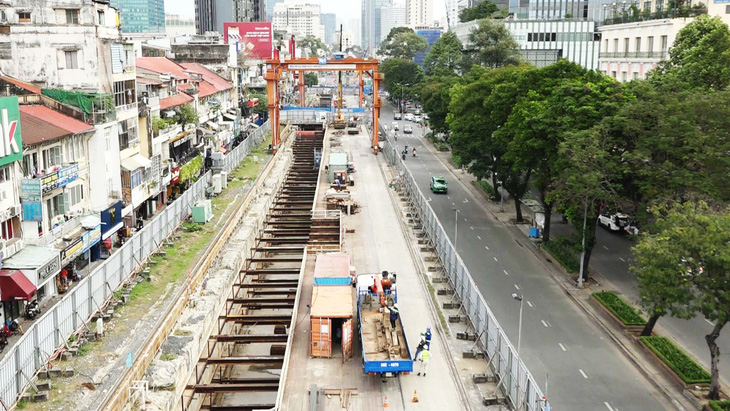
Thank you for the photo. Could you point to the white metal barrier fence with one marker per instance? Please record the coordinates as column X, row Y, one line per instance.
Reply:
column 53, row 329
column 515, row 379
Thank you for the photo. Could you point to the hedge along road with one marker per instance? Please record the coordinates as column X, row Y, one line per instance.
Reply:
column 585, row 370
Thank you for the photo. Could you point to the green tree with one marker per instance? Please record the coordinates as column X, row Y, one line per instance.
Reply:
column 403, row 45
column 435, row 98
column 699, row 57
column 493, row 46
column 312, row 45
column 444, row 57
column 483, row 10
column 401, row 76
column 397, row 30
column 185, row 115
column 698, row 237
column 311, row 79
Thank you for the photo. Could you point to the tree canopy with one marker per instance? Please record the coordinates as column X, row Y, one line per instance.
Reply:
column 312, row 45
column 493, row 46
column 445, row 56
column 403, row 45
column 401, row 76
column 311, row 79
column 483, row 10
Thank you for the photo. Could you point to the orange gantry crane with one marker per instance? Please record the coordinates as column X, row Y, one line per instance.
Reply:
column 275, row 69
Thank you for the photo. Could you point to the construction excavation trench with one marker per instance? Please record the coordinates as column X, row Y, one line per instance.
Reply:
column 243, row 363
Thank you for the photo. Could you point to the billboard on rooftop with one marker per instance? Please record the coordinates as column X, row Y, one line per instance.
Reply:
column 253, row 39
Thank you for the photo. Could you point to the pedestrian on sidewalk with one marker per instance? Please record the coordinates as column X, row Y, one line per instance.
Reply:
column 422, row 345
column 393, row 315
column 423, row 362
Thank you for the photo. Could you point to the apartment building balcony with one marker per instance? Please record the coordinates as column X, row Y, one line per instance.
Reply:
column 628, row 16
column 635, row 55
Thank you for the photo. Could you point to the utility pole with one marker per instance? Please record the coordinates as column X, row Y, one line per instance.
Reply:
column 456, row 227
column 583, row 253
column 521, row 299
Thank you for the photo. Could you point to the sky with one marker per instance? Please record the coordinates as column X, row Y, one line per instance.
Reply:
column 345, row 9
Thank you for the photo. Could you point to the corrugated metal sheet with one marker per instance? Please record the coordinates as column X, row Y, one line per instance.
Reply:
column 332, row 302
column 117, row 58
column 332, row 265
column 173, row 101
column 41, row 124
column 332, row 281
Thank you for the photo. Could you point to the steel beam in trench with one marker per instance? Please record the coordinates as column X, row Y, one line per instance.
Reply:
column 287, row 284
column 244, row 360
column 250, row 338
column 272, row 271
column 224, row 387
column 247, row 407
column 260, row 300
column 248, row 319
column 287, row 259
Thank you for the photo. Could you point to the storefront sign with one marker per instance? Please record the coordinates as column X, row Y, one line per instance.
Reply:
column 91, row 238
column 11, row 147
column 30, row 196
column 177, row 143
column 50, row 268
column 111, row 220
column 72, row 250
column 59, row 178
column 175, row 175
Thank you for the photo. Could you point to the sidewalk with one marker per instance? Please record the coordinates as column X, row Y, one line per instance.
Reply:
column 626, row 344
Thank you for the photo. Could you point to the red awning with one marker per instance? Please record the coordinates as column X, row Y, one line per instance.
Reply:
column 15, row 286
column 252, row 102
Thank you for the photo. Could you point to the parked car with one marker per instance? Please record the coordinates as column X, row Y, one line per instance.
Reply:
column 439, row 185
column 398, row 116
column 409, row 117
column 395, row 126
column 417, row 119
column 417, row 112
column 613, row 221
column 407, row 129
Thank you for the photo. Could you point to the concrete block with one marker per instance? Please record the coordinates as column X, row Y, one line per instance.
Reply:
column 467, row 354
column 279, row 329
column 160, row 253
column 471, row 337
column 146, row 271
column 43, row 375
column 454, row 318
column 479, row 378
column 125, row 298
column 434, row 269
column 430, row 259
column 152, row 262
column 461, row 336
column 480, row 355
column 422, row 241
column 65, row 356
column 277, row 349
column 40, row 397
column 439, row 280
column 25, row 398
column 441, row 291
column 43, row 386
column 54, row 372
column 68, row 372
column 449, row 291
column 451, row 306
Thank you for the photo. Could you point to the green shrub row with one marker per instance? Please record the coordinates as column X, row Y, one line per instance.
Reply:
column 689, row 371
column 563, row 252
column 622, row 310
column 487, row 188
column 720, row 405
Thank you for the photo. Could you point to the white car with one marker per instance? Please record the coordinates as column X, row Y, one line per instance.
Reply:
column 614, row 222
column 408, row 117
column 417, row 119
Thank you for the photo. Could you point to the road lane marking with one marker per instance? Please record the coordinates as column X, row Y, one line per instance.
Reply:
column 471, row 227
column 585, row 376
column 517, row 286
column 452, row 203
column 709, row 322
column 562, row 347
column 544, row 323
column 449, row 197
column 479, row 237
column 505, row 272
column 530, row 304
column 487, row 247
column 605, row 247
column 622, row 259
column 495, row 258
column 465, row 219
column 608, row 406
column 465, row 201
column 430, row 199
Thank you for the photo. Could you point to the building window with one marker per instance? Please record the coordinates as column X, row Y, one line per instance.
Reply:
column 24, row 17
column 613, row 74
column 7, row 229
column 74, row 149
column 615, row 45
column 72, row 59
column 72, row 16
column 75, row 194
column 626, row 45
column 659, row 5
column 57, row 206
column 647, row 6
column 650, row 45
column 127, row 134
column 624, row 76
column 123, row 92
column 636, row 75
column 30, row 164
column 5, row 174
column 638, row 44
column 100, row 14
column 663, row 41
column 52, row 157
column 135, row 177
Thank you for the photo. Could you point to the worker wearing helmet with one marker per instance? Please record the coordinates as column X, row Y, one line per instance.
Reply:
column 428, row 334
column 393, row 315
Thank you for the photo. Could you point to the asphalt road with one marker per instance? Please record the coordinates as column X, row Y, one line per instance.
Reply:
column 584, row 370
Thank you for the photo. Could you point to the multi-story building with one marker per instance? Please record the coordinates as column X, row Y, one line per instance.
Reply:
column 355, row 26
column 431, row 35
column 390, row 17
column 299, row 19
column 176, row 25
column 634, row 43
column 329, row 20
column 370, row 24
column 270, row 8
column 211, row 14
column 348, row 40
column 141, row 16
column 544, row 42
column 419, row 13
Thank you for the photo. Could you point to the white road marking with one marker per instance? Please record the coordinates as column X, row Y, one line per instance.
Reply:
column 452, row 203
column 709, row 322
column 608, row 406
column 517, row 286
column 505, row 272
column 562, row 347
column 585, row 376
column 449, row 197
column 466, row 200
column 471, row 228
column 544, row 323
column 530, row 304
column 479, row 237
column 495, row 258
column 465, row 219
column 622, row 259
column 605, row 247
column 487, row 247
column 430, row 199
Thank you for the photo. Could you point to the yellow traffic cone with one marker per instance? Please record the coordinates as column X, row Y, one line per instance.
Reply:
column 415, row 396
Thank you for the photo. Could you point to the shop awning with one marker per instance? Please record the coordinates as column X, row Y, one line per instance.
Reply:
column 134, row 162
column 15, row 286
column 212, row 125
column 229, row 116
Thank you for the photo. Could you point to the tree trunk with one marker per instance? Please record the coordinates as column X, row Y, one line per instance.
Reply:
column 590, row 239
column 711, row 338
column 649, row 327
column 548, row 208
column 497, row 195
column 518, row 210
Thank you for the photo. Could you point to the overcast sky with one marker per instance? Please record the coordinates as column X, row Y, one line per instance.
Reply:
column 345, row 9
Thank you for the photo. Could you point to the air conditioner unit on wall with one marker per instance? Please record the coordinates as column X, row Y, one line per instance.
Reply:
column 16, row 209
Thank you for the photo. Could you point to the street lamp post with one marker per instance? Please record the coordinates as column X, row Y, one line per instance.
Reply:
column 521, row 299
column 456, row 227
